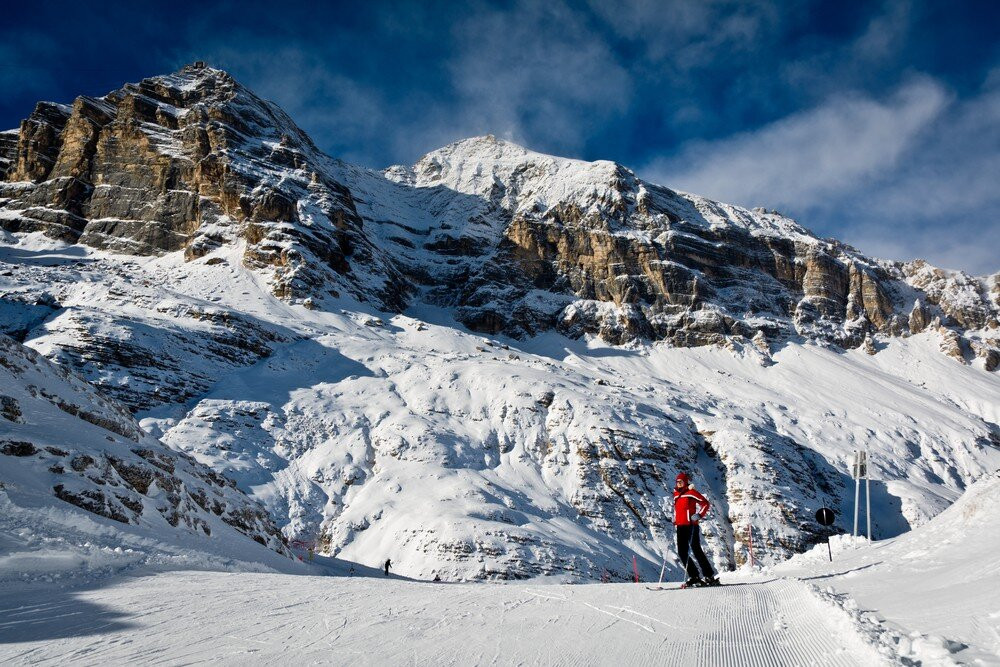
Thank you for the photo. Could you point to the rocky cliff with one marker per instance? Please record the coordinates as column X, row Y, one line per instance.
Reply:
column 187, row 162
column 628, row 259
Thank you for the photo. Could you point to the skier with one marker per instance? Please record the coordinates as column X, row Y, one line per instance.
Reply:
column 388, row 564
column 689, row 508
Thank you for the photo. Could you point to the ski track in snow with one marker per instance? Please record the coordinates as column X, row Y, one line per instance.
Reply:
column 198, row 617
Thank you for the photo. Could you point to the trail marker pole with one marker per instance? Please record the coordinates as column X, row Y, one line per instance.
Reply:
column 859, row 470
column 868, row 501
column 750, row 544
column 635, row 568
column 857, row 492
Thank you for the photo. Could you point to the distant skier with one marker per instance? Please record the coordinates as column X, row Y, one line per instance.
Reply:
column 689, row 508
column 388, row 564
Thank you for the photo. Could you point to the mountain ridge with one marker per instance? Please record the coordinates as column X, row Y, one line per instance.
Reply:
column 276, row 186
column 489, row 363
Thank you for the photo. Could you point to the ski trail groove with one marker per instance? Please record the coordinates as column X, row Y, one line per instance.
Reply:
column 247, row 619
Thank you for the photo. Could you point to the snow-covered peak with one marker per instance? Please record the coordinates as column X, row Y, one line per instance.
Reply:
column 521, row 179
column 525, row 182
column 192, row 83
column 197, row 76
column 205, row 95
column 489, row 148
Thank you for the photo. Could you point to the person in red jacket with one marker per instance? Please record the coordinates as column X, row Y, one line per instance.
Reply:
column 689, row 508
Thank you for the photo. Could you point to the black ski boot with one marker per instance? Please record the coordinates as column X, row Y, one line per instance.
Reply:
column 693, row 582
column 711, row 581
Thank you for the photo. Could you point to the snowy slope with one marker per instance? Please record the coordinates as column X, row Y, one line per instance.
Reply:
column 925, row 598
column 937, row 584
column 443, row 455
column 408, row 436
column 256, row 619
column 83, row 489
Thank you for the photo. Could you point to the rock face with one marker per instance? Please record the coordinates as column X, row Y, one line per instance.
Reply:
column 625, row 259
column 58, row 434
column 188, row 162
column 513, row 241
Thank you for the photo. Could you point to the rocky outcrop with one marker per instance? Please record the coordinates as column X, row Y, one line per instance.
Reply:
column 969, row 302
column 919, row 317
column 187, row 162
column 91, row 453
column 8, row 151
column 988, row 351
column 9, row 409
column 625, row 259
column 951, row 343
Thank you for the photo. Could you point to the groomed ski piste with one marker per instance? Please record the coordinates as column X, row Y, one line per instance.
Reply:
column 927, row 597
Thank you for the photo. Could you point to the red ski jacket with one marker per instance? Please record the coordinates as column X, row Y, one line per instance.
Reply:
column 689, row 507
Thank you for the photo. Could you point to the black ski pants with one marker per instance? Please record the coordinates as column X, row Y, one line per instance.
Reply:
column 689, row 551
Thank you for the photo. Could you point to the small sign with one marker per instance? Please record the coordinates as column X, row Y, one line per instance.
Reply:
column 860, row 468
column 825, row 516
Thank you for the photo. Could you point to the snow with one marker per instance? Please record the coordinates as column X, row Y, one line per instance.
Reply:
column 924, row 598
column 532, row 180
column 936, row 585
column 529, row 183
column 44, row 541
column 259, row 619
column 453, row 432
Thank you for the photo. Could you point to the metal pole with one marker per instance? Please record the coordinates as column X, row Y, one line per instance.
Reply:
column 868, row 500
column 856, row 474
column 857, row 491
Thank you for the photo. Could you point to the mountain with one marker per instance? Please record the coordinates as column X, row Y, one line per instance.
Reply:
column 315, row 331
column 59, row 439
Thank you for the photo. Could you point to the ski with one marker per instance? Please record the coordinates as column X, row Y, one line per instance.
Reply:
column 685, row 587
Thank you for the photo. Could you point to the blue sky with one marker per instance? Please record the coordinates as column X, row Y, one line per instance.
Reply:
column 877, row 123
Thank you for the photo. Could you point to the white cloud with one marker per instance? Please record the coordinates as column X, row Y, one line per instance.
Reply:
column 534, row 73
column 537, row 74
column 912, row 175
column 685, row 35
column 807, row 155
